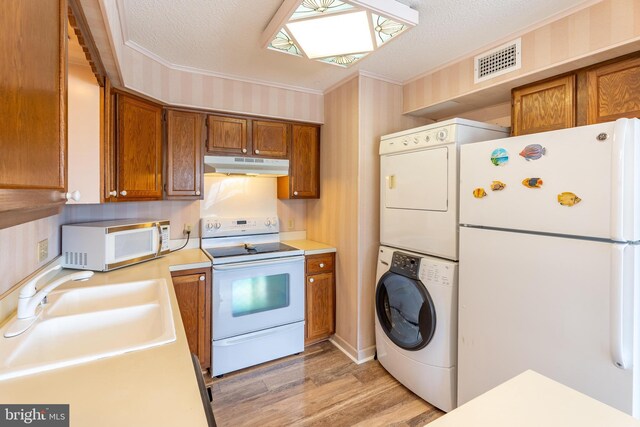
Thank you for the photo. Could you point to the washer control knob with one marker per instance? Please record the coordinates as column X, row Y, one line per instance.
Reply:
column 405, row 142
column 274, row 221
column 442, row 135
column 217, row 225
column 209, row 226
column 416, row 140
column 427, row 138
column 267, row 222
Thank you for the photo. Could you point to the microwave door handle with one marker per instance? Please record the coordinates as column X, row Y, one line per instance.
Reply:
column 246, row 264
column 159, row 238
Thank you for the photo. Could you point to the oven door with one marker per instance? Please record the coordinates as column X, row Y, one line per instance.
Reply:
column 256, row 295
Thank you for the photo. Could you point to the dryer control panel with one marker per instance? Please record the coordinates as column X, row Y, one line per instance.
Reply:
column 405, row 264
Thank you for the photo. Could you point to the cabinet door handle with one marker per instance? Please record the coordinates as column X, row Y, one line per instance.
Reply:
column 322, row 265
column 198, row 193
column 295, row 193
column 311, row 280
column 201, row 278
column 75, row 195
column 123, row 193
column 113, row 193
column 257, row 151
column 244, row 150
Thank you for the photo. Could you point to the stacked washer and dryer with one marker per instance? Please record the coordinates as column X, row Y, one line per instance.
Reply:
column 416, row 296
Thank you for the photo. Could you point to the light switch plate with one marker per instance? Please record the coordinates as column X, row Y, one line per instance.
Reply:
column 43, row 250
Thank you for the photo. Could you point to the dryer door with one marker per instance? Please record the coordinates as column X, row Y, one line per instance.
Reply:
column 405, row 311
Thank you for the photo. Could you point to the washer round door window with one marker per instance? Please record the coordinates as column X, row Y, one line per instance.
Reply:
column 405, row 311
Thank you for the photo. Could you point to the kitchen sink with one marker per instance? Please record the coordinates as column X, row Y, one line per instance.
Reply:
column 84, row 324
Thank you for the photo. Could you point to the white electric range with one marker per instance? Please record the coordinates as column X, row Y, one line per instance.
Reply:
column 257, row 295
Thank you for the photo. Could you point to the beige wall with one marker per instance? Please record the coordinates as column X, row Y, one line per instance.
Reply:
column 357, row 113
column 18, row 249
column 603, row 30
column 194, row 89
column 380, row 114
column 499, row 114
column 333, row 218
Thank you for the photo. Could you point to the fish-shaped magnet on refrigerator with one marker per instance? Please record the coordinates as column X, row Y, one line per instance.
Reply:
column 533, row 152
column 497, row 185
column 532, row 182
column 499, row 157
column 568, row 199
column 479, row 193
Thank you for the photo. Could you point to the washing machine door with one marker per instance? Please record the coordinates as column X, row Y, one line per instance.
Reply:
column 405, row 311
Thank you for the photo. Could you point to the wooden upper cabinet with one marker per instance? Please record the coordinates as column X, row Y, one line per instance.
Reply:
column 227, row 136
column 544, row 106
column 139, row 149
column 270, row 139
column 33, row 136
column 303, row 181
column 613, row 91
column 185, row 132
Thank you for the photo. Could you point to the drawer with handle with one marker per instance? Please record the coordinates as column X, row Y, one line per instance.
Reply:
column 319, row 263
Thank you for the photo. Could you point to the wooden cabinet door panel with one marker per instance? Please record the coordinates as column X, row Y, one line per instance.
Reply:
column 544, row 106
column 139, row 149
column 613, row 91
column 270, row 139
column 227, row 136
column 33, row 139
column 305, row 162
column 184, row 154
column 320, row 307
column 193, row 292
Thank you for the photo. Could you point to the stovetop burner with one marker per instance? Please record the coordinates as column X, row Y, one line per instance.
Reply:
column 249, row 249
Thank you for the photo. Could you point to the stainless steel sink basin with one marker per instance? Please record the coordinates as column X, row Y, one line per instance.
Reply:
column 85, row 324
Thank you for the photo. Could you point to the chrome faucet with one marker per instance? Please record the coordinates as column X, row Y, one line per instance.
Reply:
column 30, row 299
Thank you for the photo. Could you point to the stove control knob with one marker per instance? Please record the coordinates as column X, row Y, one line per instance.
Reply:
column 267, row 222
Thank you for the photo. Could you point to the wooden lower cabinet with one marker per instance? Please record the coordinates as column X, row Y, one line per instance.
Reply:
column 320, row 298
column 193, row 292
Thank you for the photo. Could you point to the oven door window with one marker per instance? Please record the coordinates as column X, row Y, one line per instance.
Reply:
column 257, row 294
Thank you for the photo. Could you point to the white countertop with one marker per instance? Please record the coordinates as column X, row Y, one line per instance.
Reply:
column 152, row 387
column 310, row 247
column 533, row 400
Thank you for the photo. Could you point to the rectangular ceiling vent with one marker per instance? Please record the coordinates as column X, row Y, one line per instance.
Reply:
column 501, row 60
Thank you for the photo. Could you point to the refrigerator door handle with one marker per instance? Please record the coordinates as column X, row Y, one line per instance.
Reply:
column 617, row 180
column 621, row 315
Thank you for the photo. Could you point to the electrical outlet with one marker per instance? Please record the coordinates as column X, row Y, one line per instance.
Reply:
column 291, row 224
column 43, row 250
column 187, row 228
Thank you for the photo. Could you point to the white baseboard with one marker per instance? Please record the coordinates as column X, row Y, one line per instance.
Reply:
column 358, row 357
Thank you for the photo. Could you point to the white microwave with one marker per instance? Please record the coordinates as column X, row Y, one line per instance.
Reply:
column 107, row 245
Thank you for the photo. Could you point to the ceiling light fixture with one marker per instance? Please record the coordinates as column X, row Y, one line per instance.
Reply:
column 336, row 32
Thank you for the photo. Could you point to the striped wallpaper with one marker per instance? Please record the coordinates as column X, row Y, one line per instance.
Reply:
column 357, row 113
column 609, row 25
column 193, row 88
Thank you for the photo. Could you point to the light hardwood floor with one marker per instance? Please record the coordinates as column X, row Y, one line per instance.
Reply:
column 320, row 387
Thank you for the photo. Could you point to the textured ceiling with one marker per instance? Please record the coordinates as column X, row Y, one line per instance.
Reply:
column 223, row 36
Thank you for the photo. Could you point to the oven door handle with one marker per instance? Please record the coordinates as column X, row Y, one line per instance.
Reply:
column 237, row 265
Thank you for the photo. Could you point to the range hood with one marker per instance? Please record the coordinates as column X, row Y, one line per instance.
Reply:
column 229, row 165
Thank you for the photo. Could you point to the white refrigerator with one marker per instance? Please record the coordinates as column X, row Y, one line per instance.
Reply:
column 550, row 261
